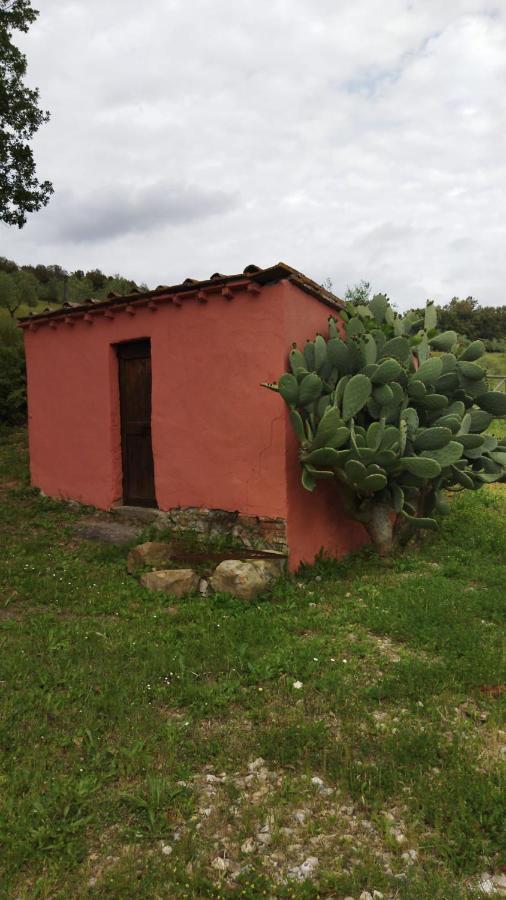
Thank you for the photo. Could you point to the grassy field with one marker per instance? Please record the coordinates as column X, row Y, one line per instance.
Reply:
column 495, row 363
column 162, row 750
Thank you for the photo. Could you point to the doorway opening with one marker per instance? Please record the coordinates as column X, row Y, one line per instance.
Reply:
column 134, row 365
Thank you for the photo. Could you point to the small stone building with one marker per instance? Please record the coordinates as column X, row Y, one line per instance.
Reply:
column 154, row 400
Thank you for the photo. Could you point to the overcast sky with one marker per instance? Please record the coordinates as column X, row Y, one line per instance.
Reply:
column 349, row 138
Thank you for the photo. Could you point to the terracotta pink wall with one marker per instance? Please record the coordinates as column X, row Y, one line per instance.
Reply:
column 218, row 438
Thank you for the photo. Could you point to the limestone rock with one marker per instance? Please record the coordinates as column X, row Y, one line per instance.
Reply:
column 152, row 553
column 172, row 581
column 247, row 578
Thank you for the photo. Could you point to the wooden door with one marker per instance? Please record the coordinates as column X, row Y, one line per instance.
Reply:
column 134, row 361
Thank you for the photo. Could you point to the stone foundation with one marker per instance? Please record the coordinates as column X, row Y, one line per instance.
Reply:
column 256, row 532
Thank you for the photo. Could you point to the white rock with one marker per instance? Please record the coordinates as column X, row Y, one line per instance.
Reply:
column 305, row 870
column 377, row 895
column 222, row 865
column 309, row 865
column 265, row 837
column 256, row 764
column 247, row 578
column 248, row 846
column 166, row 849
column 486, row 886
column 365, row 895
column 300, row 816
column 320, row 786
column 203, row 587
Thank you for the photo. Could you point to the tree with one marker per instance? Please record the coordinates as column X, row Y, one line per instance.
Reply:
column 12, row 374
column 17, row 289
column 393, row 425
column 20, row 118
column 359, row 294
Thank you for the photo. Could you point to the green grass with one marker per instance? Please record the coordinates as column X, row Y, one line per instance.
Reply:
column 117, row 706
column 495, row 363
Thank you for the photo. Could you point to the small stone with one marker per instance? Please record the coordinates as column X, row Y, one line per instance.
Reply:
column 319, row 784
column 265, row 837
column 305, row 870
column 297, row 685
column 176, row 582
column 203, row 587
column 220, row 864
column 151, row 553
column 166, row 849
column 365, row 895
column 486, row 886
column 248, row 846
column 300, row 816
column 377, row 895
column 256, row 764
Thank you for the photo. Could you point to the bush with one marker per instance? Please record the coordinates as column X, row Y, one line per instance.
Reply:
column 12, row 374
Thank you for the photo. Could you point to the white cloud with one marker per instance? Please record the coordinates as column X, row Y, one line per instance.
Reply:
column 351, row 140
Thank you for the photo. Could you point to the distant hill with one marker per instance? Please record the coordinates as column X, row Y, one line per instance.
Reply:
column 34, row 287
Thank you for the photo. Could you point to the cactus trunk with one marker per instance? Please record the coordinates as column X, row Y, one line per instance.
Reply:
column 380, row 527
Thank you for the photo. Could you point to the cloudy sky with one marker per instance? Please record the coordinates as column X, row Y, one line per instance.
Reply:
column 350, row 138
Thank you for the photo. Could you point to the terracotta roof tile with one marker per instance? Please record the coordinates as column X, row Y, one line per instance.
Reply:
column 252, row 274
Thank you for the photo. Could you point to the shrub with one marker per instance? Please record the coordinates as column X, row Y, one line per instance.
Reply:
column 395, row 412
column 12, row 374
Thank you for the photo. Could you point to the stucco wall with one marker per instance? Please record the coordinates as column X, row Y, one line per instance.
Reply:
column 218, row 438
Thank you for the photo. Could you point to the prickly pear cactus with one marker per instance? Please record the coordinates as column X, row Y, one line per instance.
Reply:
column 396, row 412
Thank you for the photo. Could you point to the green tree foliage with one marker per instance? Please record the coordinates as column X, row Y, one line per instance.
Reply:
column 20, row 117
column 487, row 323
column 16, row 289
column 389, row 422
column 28, row 286
column 12, row 374
column 25, row 287
column 359, row 294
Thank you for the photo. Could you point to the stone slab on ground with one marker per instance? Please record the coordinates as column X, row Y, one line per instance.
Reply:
column 106, row 531
column 144, row 515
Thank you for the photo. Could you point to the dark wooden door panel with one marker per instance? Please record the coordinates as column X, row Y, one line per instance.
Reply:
column 135, row 403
